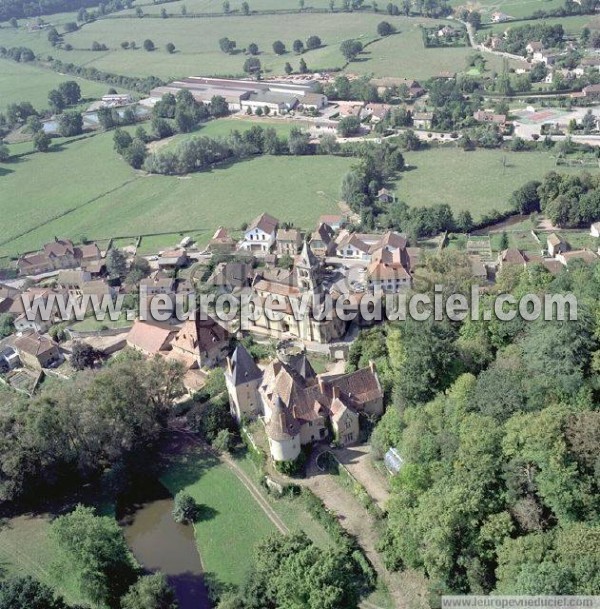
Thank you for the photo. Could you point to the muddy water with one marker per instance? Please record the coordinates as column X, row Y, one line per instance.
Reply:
column 160, row 544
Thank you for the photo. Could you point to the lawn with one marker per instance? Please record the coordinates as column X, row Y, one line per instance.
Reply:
column 515, row 8
column 27, row 549
column 477, row 181
column 22, row 82
column 85, row 189
column 227, row 538
column 572, row 25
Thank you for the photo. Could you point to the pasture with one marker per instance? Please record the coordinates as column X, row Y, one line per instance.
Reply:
column 515, row 8
column 478, row 181
column 23, row 82
column 85, row 189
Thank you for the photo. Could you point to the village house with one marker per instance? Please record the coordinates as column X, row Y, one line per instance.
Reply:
column 387, row 271
column 321, row 241
column 385, row 196
column 361, row 246
column 499, row 17
column 56, row 255
column 413, row 88
column 221, row 242
column 72, row 280
column 157, row 283
column 513, row 256
column 170, row 260
column 483, row 116
column 151, row 338
column 586, row 256
column 37, row 309
column 350, row 108
column 591, row 91
column 200, row 343
column 37, row 351
column 230, row 276
column 334, row 221
column 260, row 236
column 377, row 112
column 297, row 406
column 422, row 120
column 288, row 241
column 556, row 245
column 535, row 49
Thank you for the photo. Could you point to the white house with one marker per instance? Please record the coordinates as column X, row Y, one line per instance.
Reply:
column 260, row 235
column 595, row 230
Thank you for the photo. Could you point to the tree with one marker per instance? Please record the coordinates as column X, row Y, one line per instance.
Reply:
column 84, row 356
column 7, row 327
column 503, row 245
column 139, row 12
column 588, row 122
column 70, row 91
column 302, row 67
column 94, row 549
column 185, row 508
column 278, row 47
column 348, row 126
column 70, row 123
column 350, row 49
column 245, row 8
column 125, row 45
column 27, row 593
column 224, row 441
column 70, row 26
column 301, row 4
column 526, row 199
column 122, row 140
column 163, row 13
column 226, row 7
column 464, row 222
column 56, row 100
column 34, row 124
column 116, row 263
column 313, row 42
column 384, row 28
column 150, row 592
column 474, row 19
column 170, row 48
column 298, row 46
column 252, row 65
column 298, row 141
column 288, row 68
column 218, row 106
column 253, row 48
column 41, row 141
column 226, row 45
column 4, row 152
column 148, row 45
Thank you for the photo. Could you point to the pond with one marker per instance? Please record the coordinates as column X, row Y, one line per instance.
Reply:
column 160, row 544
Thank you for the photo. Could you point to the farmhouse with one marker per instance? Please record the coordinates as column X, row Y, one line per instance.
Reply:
column 592, row 91
column 201, row 343
column 483, row 116
column 150, row 338
column 586, row 256
column 413, row 88
column 556, row 245
column 221, row 242
column 229, row 276
column 387, row 271
column 321, row 241
column 499, row 17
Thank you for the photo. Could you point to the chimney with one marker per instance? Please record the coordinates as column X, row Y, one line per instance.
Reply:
column 321, row 385
column 372, row 366
column 229, row 366
column 336, row 392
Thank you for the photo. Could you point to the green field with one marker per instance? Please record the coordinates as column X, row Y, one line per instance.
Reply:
column 198, row 48
column 477, row 181
column 85, row 189
column 226, row 540
column 27, row 549
column 22, row 82
column 572, row 25
column 514, row 8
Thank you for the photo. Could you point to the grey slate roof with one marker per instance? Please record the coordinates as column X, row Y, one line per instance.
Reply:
column 243, row 367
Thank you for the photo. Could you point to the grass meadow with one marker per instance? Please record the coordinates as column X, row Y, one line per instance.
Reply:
column 515, row 8
column 85, row 189
column 476, row 181
column 22, row 82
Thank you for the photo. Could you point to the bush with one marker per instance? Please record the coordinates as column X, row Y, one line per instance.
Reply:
column 185, row 509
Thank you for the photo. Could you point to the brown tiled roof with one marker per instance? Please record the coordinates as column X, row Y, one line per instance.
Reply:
column 34, row 344
column 265, row 223
column 59, row 247
column 150, row 337
column 513, row 256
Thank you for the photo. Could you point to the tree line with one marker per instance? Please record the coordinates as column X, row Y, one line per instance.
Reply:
column 498, row 428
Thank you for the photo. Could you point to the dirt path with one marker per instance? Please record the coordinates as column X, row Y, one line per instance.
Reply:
column 404, row 588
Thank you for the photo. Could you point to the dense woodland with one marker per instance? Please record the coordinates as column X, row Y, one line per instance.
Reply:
column 498, row 426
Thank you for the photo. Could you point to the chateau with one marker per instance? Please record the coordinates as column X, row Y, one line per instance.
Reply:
column 298, row 406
